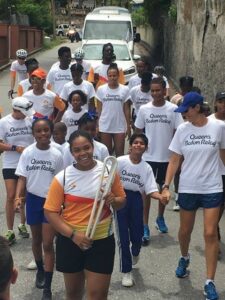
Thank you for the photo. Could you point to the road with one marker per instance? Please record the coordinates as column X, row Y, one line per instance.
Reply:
column 154, row 275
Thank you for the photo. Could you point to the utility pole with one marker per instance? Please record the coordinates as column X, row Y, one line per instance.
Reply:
column 53, row 18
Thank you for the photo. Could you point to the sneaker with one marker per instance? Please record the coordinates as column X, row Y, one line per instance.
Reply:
column 23, row 231
column 127, row 280
column 135, row 260
column 40, row 279
column 146, row 236
column 32, row 265
column 181, row 270
column 210, row 291
column 47, row 294
column 10, row 237
column 176, row 207
column 161, row 225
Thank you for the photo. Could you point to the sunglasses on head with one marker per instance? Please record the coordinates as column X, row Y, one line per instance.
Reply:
column 25, row 108
column 34, row 78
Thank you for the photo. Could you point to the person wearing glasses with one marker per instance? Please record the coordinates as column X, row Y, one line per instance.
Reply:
column 44, row 101
column 19, row 69
column 199, row 143
column 15, row 135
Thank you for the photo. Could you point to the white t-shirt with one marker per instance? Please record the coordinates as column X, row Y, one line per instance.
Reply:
column 136, row 177
column 100, row 153
column 136, row 80
column 200, row 170
column 25, row 85
column 42, row 104
column 112, row 118
column 57, row 78
column 160, row 124
column 85, row 87
column 71, row 118
column 139, row 98
column 39, row 167
column 21, row 70
column 14, row 132
column 86, row 66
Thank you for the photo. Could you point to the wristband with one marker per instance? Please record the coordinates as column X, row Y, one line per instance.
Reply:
column 13, row 148
column 165, row 186
column 72, row 234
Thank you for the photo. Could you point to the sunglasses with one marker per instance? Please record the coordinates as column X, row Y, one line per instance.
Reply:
column 22, row 58
column 25, row 108
column 34, row 78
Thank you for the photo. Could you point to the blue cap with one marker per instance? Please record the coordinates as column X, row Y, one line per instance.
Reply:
column 190, row 99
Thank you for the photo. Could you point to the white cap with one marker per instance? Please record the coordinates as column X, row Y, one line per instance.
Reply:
column 23, row 105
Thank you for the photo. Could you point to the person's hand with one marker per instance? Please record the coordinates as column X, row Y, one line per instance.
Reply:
column 19, row 203
column 166, row 195
column 82, row 241
column 109, row 199
column 10, row 94
column 19, row 149
column 128, row 132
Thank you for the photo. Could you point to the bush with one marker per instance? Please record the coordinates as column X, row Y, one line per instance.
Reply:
column 172, row 13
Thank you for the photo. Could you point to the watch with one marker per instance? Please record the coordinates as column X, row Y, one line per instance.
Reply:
column 165, row 186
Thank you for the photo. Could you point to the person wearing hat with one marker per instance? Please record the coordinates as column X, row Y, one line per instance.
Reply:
column 79, row 58
column 44, row 101
column 15, row 135
column 18, row 68
column 199, row 144
column 219, row 108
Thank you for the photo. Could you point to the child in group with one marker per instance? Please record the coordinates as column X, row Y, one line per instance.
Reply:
column 59, row 135
column 137, row 178
column 8, row 274
column 37, row 166
column 160, row 72
column 88, row 122
column 77, row 99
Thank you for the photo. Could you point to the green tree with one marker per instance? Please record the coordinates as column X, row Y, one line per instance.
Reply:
column 155, row 9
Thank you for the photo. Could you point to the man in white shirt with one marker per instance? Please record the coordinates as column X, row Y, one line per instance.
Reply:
column 160, row 122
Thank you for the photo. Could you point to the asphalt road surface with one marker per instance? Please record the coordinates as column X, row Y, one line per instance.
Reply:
column 155, row 272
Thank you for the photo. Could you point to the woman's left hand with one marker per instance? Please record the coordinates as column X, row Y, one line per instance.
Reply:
column 109, row 199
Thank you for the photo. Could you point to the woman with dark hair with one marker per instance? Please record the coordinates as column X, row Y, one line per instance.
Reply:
column 98, row 75
column 114, row 112
column 200, row 144
column 78, row 257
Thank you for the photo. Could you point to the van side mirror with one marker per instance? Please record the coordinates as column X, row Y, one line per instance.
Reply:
column 137, row 38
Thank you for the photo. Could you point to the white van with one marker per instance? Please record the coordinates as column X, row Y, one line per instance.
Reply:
column 109, row 22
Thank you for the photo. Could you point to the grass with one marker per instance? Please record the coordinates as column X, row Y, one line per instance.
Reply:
column 49, row 44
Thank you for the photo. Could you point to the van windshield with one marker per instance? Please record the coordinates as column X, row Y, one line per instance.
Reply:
column 114, row 30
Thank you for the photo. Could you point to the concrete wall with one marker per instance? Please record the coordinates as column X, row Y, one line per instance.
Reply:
column 195, row 45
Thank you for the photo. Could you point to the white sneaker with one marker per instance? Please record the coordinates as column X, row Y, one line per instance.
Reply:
column 127, row 280
column 32, row 265
column 176, row 207
column 135, row 260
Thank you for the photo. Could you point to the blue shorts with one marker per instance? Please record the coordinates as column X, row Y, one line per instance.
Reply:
column 35, row 209
column 194, row 201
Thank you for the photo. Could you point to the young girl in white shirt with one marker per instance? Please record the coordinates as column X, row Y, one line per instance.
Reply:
column 137, row 178
column 37, row 166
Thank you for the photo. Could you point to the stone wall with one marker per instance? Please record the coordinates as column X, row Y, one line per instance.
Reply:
column 195, row 45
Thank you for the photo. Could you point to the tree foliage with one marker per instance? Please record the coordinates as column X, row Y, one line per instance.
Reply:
column 155, row 9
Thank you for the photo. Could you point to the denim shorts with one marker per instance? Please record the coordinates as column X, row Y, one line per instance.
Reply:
column 194, row 201
column 35, row 209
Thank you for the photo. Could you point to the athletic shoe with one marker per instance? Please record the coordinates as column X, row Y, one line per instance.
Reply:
column 40, row 279
column 161, row 225
column 10, row 237
column 23, row 231
column 146, row 236
column 181, row 270
column 127, row 280
column 47, row 294
column 176, row 207
column 32, row 265
column 135, row 260
column 210, row 291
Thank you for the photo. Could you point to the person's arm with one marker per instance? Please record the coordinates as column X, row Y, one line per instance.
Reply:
column 160, row 197
column 126, row 109
column 117, row 197
column 91, row 104
column 222, row 155
column 20, row 192
column 13, row 79
column 99, row 108
column 7, row 147
column 61, row 106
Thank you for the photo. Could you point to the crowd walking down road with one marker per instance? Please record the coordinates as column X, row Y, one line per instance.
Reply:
column 56, row 133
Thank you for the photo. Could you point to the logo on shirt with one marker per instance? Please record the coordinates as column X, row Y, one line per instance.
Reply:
column 131, row 178
column 158, row 118
column 200, row 140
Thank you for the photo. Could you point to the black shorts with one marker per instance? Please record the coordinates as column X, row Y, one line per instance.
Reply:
column 98, row 259
column 9, row 174
column 159, row 170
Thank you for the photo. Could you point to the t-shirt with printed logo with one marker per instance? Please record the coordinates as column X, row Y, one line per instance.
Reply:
column 112, row 118
column 39, row 167
column 200, row 170
column 159, row 122
column 20, row 70
column 136, row 177
column 139, row 98
column 71, row 118
column 15, row 132
column 57, row 78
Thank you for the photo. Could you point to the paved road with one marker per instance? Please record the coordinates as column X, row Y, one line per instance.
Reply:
column 154, row 274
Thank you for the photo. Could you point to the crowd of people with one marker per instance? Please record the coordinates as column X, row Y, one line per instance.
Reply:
column 63, row 125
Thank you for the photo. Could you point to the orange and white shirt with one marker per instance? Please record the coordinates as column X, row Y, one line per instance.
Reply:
column 19, row 70
column 77, row 193
column 45, row 103
column 101, row 70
